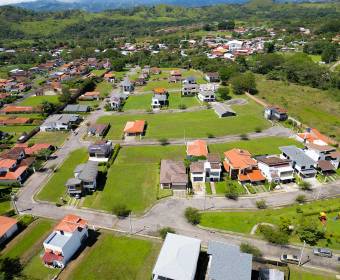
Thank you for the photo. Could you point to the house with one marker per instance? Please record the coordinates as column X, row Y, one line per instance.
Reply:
column 155, row 71
column 212, row 167
column 271, row 274
column 14, row 120
column 85, row 179
column 190, row 80
column 140, row 81
column 65, row 240
column 235, row 45
column 134, row 128
column 190, row 89
column 59, row 122
column 12, row 109
column 8, row 227
column 275, row 113
column 159, row 100
column 175, row 76
column 223, row 110
column 34, row 149
column 98, row 130
column 197, row 148
column 206, row 96
column 197, row 172
column 90, row 95
column 324, row 153
column 76, row 108
column 241, row 166
column 313, row 136
column 109, row 77
column 276, row 169
column 227, row 262
column 100, row 151
column 303, row 165
column 178, row 258
column 115, row 103
column 127, row 86
column 173, row 175
column 212, row 77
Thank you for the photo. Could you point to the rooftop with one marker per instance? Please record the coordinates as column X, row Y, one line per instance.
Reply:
column 197, row 148
column 5, row 224
column 297, row 155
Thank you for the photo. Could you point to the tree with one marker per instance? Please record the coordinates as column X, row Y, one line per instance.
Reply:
column 309, row 232
column 300, row 198
column 10, row 268
column 244, row 83
column 192, row 215
column 223, row 93
column 261, row 204
column 273, row 235
column 43, row 154
column 164, row 231
column 329, row 53
column 285, row 225
column 231, row 191
column 269, row 47
column 121, row 211
column 250, row 249
column 226, row 25
column 65, row 96
column 47, row 107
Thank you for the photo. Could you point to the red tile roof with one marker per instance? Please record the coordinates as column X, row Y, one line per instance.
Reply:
column 35, row 148
column 14, row 120
column 197, row 148
column 18, row 109
column 14, row 175
column 5, row 224
column 70, row 223
column 134, row 127
column 239, row 159
column 253, row 176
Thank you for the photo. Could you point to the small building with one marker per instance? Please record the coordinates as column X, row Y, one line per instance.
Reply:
column 303, row 165
column 235, row 45
column 206, row 96
column 313, row 136
column 98, row 130
column 223, row 110
column 190, row 80
column 100, row 151
column 197, row 171
column 90, row 95
column 59, row 122
column 8, row 227
column 35, row 148
column 65, row 240
column 190, row 89
column 275, row 113
column 13, row 109
column 276, row 169
column 140, row 81
column 175, row 76
column 178, row 258
column 212, row 77
column 76, row 108
column 227, row 262
column 127, row 86
column 135, row 128
column 324, row 153
column 115, row 103
column 213, row 167
column 197, row 148
column 159, row 100
column 109, row 77
column 271, row 274
column 155, row 71
column 173, row 175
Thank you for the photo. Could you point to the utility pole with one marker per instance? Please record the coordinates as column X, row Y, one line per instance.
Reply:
column 130, row 222
column 303, row 247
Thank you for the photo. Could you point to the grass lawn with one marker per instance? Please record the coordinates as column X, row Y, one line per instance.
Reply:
column 38, row 100
column 17, row 129
column 117, row 257
column 161, row 83
column 175, row 99
column 244, row 221
column 221, row 187
column 138, row 102
column 192, row 124
column 36, row 270
column 260, row 146
column 104, row 88
column 5, row 206
column 298, row 273
column 98, row 73
column 55, row 187
column 194, row 73
column 55, row 138
column 133, row 179
column 314, row 107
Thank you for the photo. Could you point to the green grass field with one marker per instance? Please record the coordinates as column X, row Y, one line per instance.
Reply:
column 5, row 206
column 117, row 257
column 134, row 178
column 36, row 270
column 221, row 187
column 175, row 99
column 191, row 124
column 104, row 88
column 55, row 187
column 244, row 221
column 55, row 138
column 38, row 100
column 298, row 273
column 98, row 73
column 314, row 107
column 17, row 129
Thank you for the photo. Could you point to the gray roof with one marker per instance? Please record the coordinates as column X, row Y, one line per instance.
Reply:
column 53, row 120
column 178, row 257
column 160, row 97
column 191, row 79
column 126, row 82
column 119, row 95
column 222, row 108
column 77, row 108
column 271, row 274
column 228, row 263
column 207, row 93
column 72, row 182
column 88, row 171
column 297, row 155
column 102, row 147
column 197, row 167
column 173, row 172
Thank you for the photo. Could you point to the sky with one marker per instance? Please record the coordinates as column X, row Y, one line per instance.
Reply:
column 6, row 2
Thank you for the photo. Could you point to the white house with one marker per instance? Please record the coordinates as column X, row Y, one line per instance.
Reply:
column 178, row 258
column 59, row 122
column 235, row 45
column 8, row 226
column 206, row 170
column 127, row 86
column 206, row 96
column 276, row 169
column 328, row 153
column 64, row 241
column 197, row 172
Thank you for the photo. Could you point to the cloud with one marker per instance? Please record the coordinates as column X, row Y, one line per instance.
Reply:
column 7, row 2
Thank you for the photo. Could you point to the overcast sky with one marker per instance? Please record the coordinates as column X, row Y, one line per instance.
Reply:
column 5, row 2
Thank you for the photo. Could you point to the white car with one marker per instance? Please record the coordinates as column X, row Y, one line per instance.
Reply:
column 289, row 258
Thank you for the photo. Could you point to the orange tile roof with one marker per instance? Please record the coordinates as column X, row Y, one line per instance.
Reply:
column 109, row 75
column 35, row 148
column 239, row 159
column 315, row 135
column 135, row 127
column 92, row 93
column 160, row 90
column 226, row 166
column 14, row 175
column 15, row 120
column 253, row 176
column 7, row 163
column 5, row 224
column 18, row 109
column 71, row 223
column 197, row 148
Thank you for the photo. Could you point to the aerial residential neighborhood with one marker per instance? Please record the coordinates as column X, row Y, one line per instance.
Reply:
column 169, row 140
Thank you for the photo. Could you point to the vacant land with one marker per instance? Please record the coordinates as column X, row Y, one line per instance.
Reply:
column 55, row 187
column 117, row 257
column 133, row 179
column 17, row 130
column 99, row 73
column 221, row 187
column 5, row 206
column 104, row 88
column 38, row 100
column 314, row 107
column 54, row 138
column 191, row 124
column 244, row 221
column 302, row 274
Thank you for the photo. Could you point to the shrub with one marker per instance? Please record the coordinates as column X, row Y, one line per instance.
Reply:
column 182, row 106
column 244, row 136
column 250, row 249
column 192, row 215
column 305, row 186
column 273, row 235
column 163, row 141
column 164, row 231
column 25, row 220
column 309, row 232
column 300, row 198
column 258, row 129
column 231, row 191
column 121, row 211
column 261, row 204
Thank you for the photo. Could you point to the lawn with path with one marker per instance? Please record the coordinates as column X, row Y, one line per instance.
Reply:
column 55, row 187
column 117, row 257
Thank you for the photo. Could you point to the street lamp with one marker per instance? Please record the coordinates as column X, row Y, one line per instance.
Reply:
column 303, row 247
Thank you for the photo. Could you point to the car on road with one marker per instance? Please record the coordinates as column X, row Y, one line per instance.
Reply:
column 289, row 258
column 322, row 252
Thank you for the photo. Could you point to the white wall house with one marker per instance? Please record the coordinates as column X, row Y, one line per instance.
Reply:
column 328, row 153
column 8, row 226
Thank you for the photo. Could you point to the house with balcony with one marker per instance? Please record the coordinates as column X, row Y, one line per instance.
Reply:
column 100, row 151
column 60, row 122
column 65, row 240
column 275, row 113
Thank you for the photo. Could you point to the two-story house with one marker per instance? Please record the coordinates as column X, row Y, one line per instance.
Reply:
column 100, row 151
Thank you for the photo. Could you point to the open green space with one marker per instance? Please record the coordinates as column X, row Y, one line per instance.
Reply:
column 16, row 129
column 55, row 187
column 99, row 73
column 133, row 180
column 54, row 138
column 38, row 100
column 175, row 99
column 117, row 257
column 314, row 107
column 221, row 187
column 35, row 269
column 191, row 124
column 298, row 273
column 5, row 206
column 162, row 83
column 244, row 221
column 104, row 88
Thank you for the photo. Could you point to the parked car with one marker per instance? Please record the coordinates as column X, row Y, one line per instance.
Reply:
column 289, row 258
column 322, row 252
